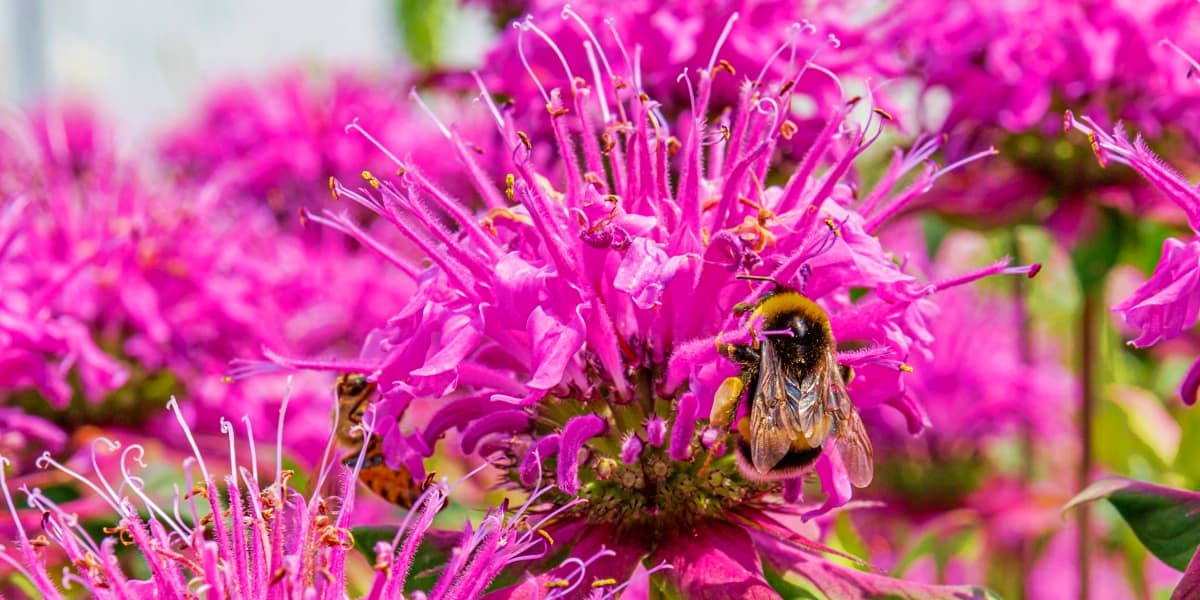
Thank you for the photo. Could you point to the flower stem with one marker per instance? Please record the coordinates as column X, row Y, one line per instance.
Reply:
column 1025, row 354
column 1088, row 355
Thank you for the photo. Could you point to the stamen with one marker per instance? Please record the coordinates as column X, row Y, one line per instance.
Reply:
column 1195, row 67
column 525, row 61
column 600, row 99
column 354, row 126
column 554, row 48
column 568, row 12
column 45, row 461
column 287, row 397
column 487, row 99
column 612, row 28
column 173, row 406
column 712, row 61
column 793, row 34
column 250, row 441
column 227, row 429
column 415, row 97
column 999, row 267
column 137, row 486
column 991, row 151
column 113, row 446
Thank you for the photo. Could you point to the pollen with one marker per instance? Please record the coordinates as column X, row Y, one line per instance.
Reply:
column 369, row 178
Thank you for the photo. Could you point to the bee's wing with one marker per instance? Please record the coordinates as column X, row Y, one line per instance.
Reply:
column 852, row 442
column 786, row 408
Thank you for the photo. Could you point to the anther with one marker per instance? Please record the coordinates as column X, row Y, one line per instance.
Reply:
column 787, row 129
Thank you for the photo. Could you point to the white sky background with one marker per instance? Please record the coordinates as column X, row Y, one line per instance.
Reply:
column 147, row 61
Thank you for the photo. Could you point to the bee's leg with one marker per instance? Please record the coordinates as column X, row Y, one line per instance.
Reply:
column 725, row 402
column 741, row 354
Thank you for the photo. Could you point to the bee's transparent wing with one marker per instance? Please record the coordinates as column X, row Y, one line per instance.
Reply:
column 852, row 442
column 786, row 411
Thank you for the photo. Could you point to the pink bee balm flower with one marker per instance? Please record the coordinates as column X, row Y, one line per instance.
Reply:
column 1001, row 73
column 581, row 310
column 140, row 289
column 278, row 142
column 1169, row 302
column 232, row 537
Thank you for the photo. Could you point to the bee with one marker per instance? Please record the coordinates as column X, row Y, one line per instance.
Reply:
column 397, row 486
column 796, row 393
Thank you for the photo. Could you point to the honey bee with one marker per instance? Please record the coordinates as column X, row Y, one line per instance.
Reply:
column 796, row 392
column 397, row 486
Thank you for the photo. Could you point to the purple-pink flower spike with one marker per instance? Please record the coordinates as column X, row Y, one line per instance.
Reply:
column 591, row 297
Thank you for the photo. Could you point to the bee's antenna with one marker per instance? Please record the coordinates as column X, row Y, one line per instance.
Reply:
column 759, row 278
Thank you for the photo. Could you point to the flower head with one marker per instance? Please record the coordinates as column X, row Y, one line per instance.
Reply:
column 233, row 536
column 279, row 141
column 1001, row 73
column 572, row 325
column 109, row 276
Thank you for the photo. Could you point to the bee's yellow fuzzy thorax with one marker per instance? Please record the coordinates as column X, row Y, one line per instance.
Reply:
column 788, row 302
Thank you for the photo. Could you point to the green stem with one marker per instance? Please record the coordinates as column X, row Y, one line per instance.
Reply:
column 1088, row 354
column 1025, row 355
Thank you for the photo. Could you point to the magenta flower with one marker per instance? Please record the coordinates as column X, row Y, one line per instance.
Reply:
column 281, row 140
column 571, row 326
column 1169, row 303
column 648, row 46
column 141, row 289
column 265, row 541
column 1010, row 64
column 1001, row 73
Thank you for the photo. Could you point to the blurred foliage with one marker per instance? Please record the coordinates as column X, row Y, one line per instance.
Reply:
column 422, row 25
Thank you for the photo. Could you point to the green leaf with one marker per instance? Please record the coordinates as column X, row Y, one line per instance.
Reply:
column 792, row 587
column 1165, row 520
column 421, row 24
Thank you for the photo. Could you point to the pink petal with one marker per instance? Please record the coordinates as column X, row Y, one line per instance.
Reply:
column 715, row 560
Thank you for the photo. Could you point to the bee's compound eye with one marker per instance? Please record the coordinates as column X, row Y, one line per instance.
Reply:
column 799, row 326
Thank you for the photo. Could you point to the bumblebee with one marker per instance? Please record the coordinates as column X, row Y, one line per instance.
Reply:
column 397, row 486
column 796, row 393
